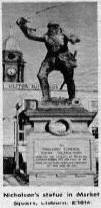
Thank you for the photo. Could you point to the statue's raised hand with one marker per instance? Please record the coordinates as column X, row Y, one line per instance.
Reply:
column 77, row 40
column 21, row 21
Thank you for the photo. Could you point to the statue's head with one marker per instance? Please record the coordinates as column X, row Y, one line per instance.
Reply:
column 53, row 28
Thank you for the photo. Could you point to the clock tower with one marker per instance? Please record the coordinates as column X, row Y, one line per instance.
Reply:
column 13, row 62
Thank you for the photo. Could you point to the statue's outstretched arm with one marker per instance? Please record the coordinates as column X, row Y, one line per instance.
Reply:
column 28, row 32
column 73, row 39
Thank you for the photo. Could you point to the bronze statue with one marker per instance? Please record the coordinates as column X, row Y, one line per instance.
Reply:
column 58, row 56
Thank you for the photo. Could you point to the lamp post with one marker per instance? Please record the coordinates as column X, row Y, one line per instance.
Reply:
column 17, row 137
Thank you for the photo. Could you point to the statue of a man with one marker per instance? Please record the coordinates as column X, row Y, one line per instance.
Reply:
column 58, row 56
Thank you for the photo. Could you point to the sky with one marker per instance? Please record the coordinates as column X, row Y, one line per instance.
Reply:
column 79, row 18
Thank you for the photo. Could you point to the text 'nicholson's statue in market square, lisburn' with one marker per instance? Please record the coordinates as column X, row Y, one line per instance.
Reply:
column 58, row 56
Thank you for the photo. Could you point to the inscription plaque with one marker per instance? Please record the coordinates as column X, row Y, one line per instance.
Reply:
column 61, row 154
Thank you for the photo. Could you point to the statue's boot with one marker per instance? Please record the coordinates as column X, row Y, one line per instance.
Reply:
column 71, row 89
column 45, row 89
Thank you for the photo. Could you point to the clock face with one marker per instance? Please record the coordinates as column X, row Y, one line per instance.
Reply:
column 11, row 71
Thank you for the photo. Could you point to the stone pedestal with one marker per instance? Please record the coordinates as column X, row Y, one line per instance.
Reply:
column 60, row 148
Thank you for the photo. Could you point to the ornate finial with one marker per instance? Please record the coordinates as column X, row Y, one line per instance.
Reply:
column 11, row 31
column 11, row 42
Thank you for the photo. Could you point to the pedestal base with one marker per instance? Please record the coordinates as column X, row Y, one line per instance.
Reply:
column 60, row 148
column 69, row 180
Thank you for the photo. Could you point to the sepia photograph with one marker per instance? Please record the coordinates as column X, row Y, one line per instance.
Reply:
column 50, row 94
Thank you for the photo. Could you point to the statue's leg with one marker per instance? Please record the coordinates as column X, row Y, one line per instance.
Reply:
column 71, row 89
column 67, row 70
column 43, row 80
column 68, row 77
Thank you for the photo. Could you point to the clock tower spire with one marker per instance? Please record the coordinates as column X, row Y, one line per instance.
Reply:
column 13, row 62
